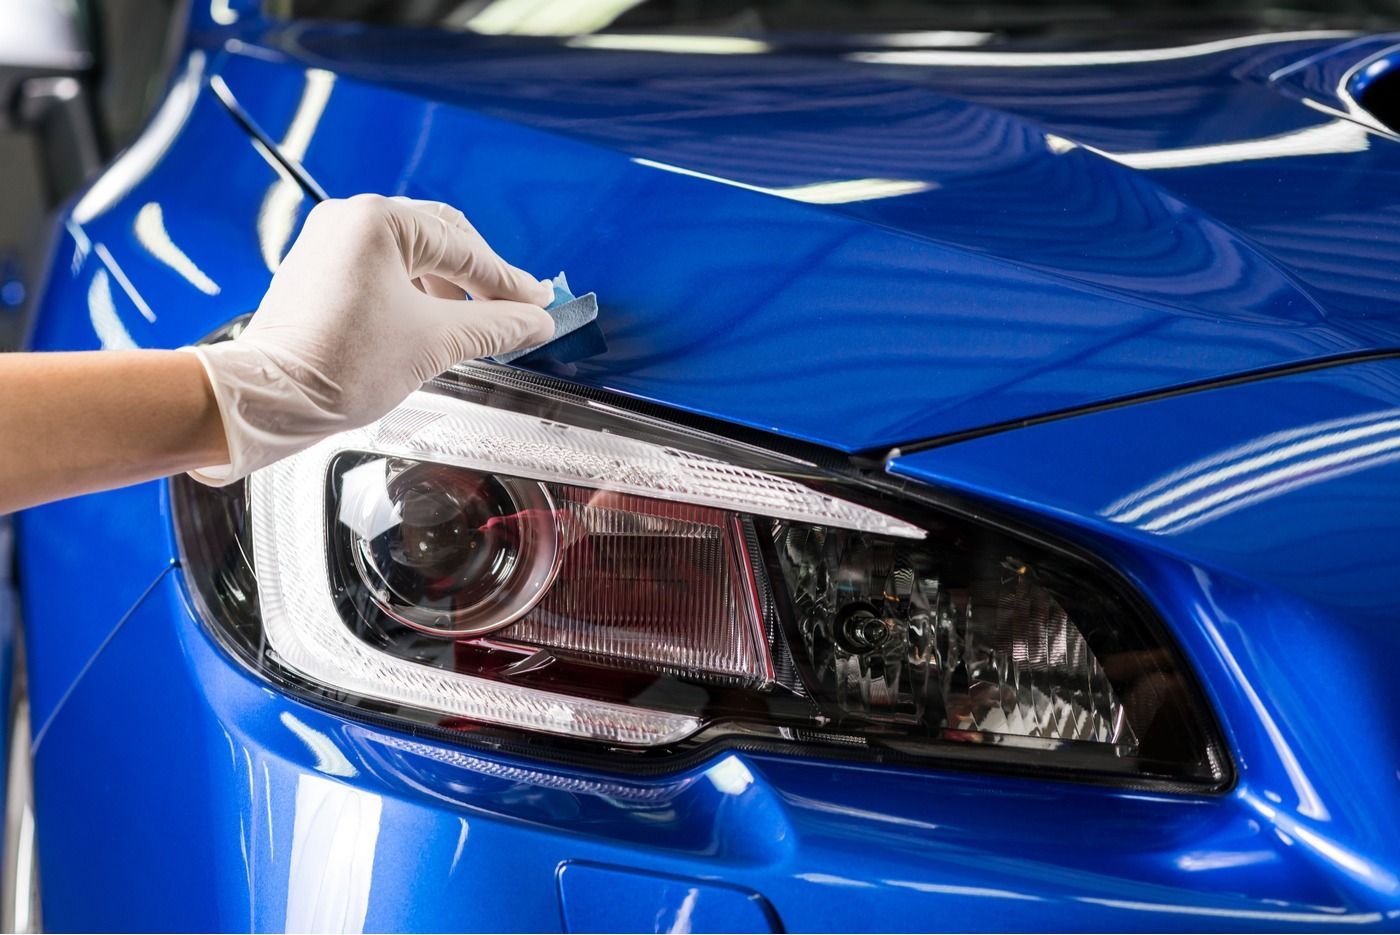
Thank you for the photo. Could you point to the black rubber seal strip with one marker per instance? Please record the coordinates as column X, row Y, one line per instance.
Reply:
column 882, row 453
column 224, row 95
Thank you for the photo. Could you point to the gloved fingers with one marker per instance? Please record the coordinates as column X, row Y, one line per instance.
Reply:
column 461, row 255
column 369, row 298
column 440, row 288
column 484, row 328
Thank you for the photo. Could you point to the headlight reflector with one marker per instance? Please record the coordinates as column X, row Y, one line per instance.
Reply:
column 891, row 643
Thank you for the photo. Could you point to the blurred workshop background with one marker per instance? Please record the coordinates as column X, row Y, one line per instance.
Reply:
column 66, row 110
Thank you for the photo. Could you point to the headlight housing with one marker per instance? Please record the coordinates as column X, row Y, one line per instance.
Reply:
column 506, row 562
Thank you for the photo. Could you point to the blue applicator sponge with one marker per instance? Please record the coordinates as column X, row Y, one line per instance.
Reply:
column 569, row 312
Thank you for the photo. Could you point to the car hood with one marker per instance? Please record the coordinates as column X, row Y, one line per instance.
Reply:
column 863, row 248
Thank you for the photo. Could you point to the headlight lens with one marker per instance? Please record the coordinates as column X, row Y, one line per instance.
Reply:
column 449, row 552
column 495, row 556
column 658, row 584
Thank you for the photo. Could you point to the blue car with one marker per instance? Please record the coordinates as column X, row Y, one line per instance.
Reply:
column 976, row 505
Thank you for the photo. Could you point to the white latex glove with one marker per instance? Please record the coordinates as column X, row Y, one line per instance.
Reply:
column 366, row 307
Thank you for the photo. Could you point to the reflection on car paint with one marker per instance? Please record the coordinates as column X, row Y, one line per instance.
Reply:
column 1260, row 469
column 334, row 836
column 151, row 232
column 279, row 215
column 1111, row 280
column 133, row 165
column 1030, row 274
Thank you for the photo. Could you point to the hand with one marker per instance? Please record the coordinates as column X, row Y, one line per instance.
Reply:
column 366, row 307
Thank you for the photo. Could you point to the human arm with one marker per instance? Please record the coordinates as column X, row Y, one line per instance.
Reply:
column 366, row 307
column 72, row 423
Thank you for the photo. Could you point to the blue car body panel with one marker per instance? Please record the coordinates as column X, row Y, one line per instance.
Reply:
column 1038, row 270
column 1281, row 523
column 175, row 790
column 255, row 811
column 111, row 290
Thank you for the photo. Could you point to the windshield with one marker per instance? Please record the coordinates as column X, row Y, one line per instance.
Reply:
column 931, row 23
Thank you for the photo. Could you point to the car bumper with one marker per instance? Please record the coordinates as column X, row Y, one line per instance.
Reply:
column 177, row 791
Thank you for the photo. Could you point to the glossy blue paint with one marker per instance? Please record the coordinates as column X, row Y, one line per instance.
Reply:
column 608, row 899
column 67, row 543
column 1043, row 253
column 177, row 791
column 167, row 247
column 1277, row 523
column 249, row 810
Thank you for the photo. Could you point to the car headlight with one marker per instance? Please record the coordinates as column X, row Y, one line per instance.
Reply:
column 498, row 556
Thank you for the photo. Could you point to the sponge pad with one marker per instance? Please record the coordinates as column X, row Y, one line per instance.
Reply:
column 570, row 313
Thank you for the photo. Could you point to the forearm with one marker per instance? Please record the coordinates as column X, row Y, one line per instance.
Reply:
column 79, row 422
column 342, row 336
